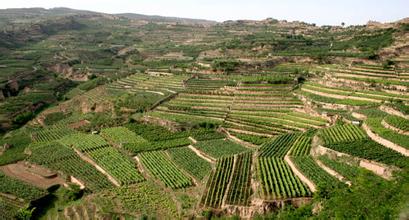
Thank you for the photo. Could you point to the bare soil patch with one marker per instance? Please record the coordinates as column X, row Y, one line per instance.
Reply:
column 78, row 124
column 32, row 174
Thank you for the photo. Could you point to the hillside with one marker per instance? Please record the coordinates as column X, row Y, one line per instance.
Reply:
column 136, row 116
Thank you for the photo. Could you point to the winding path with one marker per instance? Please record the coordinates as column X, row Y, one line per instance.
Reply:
column 393, row 128
column 202, row 155
column 333, row 172
column 100, row 169
column 300, row 175
column 385, row 142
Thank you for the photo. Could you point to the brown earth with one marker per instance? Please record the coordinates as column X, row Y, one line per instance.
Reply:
column 397, row 130
column 385, row 142
column 78, row 124
column 32, row 174
column 299, row 174
column 202, row 155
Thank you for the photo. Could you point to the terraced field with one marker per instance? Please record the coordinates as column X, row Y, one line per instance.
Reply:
column 159, row 84
column 110, row 159
column 59, row 157
column 278, row 181
column 149, row 117
column 159, row 164
column 258, row 109
column 189, row 161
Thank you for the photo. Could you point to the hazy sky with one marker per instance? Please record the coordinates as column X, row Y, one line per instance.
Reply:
column 313, row 11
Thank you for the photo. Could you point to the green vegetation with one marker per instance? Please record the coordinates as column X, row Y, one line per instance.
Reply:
column 118, row 165
column 371, row 150
column 17, row 141
column 278, row 181
column 22, row 190
column 348, row 171
column 144, row 111
column 310, row 168
column 189, row 161
column 219, row 148
column 279, row 146
column 397, row 122
column 302, row 146
column 160, row 165
column 142, row 199
column 59, row 157
column 122, row 137
column 342, row 133
column 240, row 189
column 216, row 186
column 376, row 126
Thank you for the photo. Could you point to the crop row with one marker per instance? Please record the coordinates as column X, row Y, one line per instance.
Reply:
column 302, row 146
column 51, row 134
column 118, row 165
column 121, row 136
column 8, row 208
column 376, row 126
column 314, row 172
column 342, row 133
column 278, row 181
column 20, row 189
column 240, row 187
column 324, row 99
column 279, row 146
column 217, row 184
column 154, row 133
column 157, row 145
column 348, row 171
column 145, row 197
column 368, row 149
column 84, row 142
column 219, row 147
column 189, row 161
column 398, row 122
column 257, row 140
column 58, row 157
column 159, row 164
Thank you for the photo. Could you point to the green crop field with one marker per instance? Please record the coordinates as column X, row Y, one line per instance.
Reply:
column 189, row 161
column 160, row 165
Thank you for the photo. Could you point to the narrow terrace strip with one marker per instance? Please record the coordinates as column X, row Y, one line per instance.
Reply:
column 333, row 173
column 336, row 96
column 385, row 142
column 100, row 169
column 395, row 129
column 202, row 155
column 299, row 174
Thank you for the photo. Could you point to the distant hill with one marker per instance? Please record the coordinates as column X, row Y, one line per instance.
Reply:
column 40, row 12
column 156, row 18
column 37, row 13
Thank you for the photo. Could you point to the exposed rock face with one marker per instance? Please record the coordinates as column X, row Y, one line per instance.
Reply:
column 161, row 122
column 377, row 24
column 68, row 72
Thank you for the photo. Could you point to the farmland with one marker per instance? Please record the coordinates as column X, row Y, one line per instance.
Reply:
column 345, row 133
column 219, row 148
column 147, row 117
column 162, row 168
column 278, row 181
column 190, row 162
column 218, row 182
column 55, row 156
